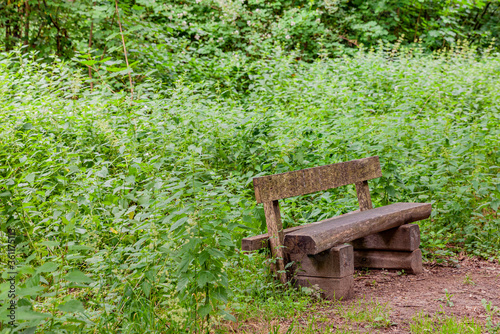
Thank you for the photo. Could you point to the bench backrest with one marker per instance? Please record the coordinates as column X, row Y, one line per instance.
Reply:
column 269, row 189
column 310, row 180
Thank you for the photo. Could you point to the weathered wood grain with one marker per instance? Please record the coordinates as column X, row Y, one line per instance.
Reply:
column 334, row 262
column 331, row 288
column 262, row 241
column 275, row 230
column 306, row 181
column 403, row 238
column 319, row 237
column 411, row 262
column 363, row 192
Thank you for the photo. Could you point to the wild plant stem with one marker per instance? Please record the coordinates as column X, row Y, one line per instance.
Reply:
column 90, row 47
column 125, row 51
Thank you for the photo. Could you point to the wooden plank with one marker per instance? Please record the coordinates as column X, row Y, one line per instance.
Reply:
column 262, row 241
column 330, row 288
column 275, row 230
column 306, row 181
column 411, row 262
column 364, row 198
column 319, row 237
column 334, row 262
column 403, row 238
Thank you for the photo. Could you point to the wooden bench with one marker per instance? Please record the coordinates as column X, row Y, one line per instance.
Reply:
column 378, row 237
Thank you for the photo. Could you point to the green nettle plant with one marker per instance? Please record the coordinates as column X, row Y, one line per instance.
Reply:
column 129, row 190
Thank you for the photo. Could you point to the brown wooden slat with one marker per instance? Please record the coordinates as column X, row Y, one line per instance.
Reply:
column 411, row 262
column 363, row 193
column 319, row 237
column 275, row 229
column 306, row 181
column 334, row 262
column 331, row 288
column 262, row 240
column 403, row 238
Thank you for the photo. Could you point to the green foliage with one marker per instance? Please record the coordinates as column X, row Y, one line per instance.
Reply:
column 171, row 39
column 128, row 210
column 490, row 313
column 425, row 324
column 372, row 312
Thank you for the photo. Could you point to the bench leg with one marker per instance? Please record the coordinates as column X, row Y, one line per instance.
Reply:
column 410, row 262
column 332, row 271
column 331, row 288
column 396, row 248
column 403, row 238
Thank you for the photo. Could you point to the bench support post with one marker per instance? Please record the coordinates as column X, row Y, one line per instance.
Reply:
column 331, row 271
column 396, row 248
column 276, row 238
column 363, row 192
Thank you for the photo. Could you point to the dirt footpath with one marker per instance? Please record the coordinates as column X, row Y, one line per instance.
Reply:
column 441, row 291
column 453, row 290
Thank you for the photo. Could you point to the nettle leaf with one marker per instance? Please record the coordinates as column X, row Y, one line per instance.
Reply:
column 31, row 291
column 204, row 278
column 47, row 267
column 88, row 62
column 49, row 243
column 103, row 172
column 27, row 126
column 179, row 223
column 146, row 288
column 72, row 306
column 76, row 276
column 27, row 314
column 30, row 177
column 228, row 316
column 495, row 204
column 182, row 283
column 216, row 253
column 203, row 257
column 204, row 310
column 185, row 262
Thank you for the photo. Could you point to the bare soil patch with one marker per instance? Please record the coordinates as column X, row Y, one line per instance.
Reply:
column 442, row 290
column 452, row 290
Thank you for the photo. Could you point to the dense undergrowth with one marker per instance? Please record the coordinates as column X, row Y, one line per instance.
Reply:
column 128, row 214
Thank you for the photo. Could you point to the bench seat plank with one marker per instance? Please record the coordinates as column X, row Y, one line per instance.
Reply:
column 260, row 241
column 331, row 232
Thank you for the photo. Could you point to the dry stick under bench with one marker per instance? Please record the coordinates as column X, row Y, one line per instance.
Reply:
column 377, row 234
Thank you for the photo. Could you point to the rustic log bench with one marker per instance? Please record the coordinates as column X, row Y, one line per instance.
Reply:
column 319, row 251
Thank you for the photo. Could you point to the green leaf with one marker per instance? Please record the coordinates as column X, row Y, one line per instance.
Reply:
column 31, row 291
column 228, row 316
column 178, row 223
column 72, row 306
column 204, row 278
column 76, row 276
column 27, row 126
column 146, row 288
column 88, row 62
column 30, row 177
column 495, row 204
column 50, row 243
column 47, row 267
column 25, row 313
column 204, row 310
